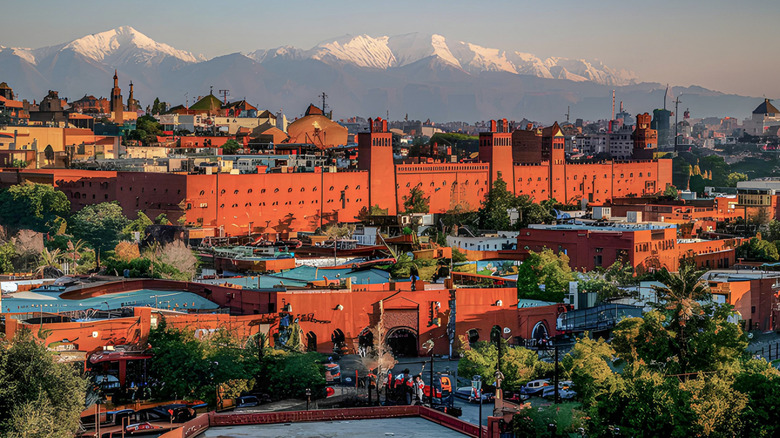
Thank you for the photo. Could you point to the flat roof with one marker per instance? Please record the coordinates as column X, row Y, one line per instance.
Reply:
column 33, row 301
column 406, row 427
column 611, row 226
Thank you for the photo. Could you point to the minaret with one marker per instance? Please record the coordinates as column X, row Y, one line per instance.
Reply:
column 132, row 105
column 117, row 107
column 375, row 155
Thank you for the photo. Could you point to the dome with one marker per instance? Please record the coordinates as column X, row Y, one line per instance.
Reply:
column 317, row 130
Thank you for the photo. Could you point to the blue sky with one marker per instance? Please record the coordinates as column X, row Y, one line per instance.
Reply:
column 729, row 46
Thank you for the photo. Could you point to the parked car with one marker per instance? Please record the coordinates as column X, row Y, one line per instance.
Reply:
column 470, row 394
column 247, row 401
column 534, row 387
column 565, row 390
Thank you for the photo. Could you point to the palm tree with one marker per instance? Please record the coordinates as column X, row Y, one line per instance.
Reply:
column 48, row 260
column 680, row 294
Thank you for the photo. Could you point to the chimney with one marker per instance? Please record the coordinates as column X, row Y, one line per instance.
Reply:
column 504, row 125
column 371, row 125
column 492, row 126
column 529, row 126
column 384, row 125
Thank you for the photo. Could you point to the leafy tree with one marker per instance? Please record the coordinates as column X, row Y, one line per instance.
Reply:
column 289, row 374
column 671, row 192
column 458, row 257
column 230, row 147
column 100, row 225
column 32, row 206
column 734, row 177
column 494, row 213
column 757, row 249
column 139, row 225
column 416, row 202
column 519, row 365
column 126, row 251
column 162, row 219
column 544, row 268
column 146, row 130
column 761, row 383
column 7, row 256
column 38, row 396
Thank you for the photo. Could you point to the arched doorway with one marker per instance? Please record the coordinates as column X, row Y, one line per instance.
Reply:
column 366, row 339
column 339, row 346
column 473, row 336
column 540, row 331
column 402, row 341
column 311, row 341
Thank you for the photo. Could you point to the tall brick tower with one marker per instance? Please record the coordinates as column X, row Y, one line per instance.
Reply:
column 495, row 148
column 375, row 154
column 645, row 138
column 116, row 101
column 553, row 144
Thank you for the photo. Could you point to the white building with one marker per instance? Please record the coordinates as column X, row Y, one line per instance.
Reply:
column 503, row 240
column 764, row 117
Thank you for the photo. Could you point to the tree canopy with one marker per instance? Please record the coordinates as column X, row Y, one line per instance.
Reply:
column 32, row 206
column 416, row 201
column 230, row 147
column 38, row 396
column 544, row 268
column 100, row 225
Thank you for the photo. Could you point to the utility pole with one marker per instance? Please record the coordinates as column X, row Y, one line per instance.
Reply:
column 225, row 94
column 324, row 105
column 568, row 111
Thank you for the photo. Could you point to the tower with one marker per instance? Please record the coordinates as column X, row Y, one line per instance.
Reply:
column 132, row 104
column 495, row 148
column 645, row 138
column 553, row 143
column 375, row 154
column 117, row 107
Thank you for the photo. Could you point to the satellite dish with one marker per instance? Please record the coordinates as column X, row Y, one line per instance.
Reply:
column 507, row 330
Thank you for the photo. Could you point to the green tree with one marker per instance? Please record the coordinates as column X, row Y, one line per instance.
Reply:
column 100, row 225
column 138, row 225
column 146, row 130
column 548, row 269
column 759, row 250
column 32, row 206
column 671, row 192
column 38, row 396
column 7, row 257
column 416, row 202
column 230, row 147
column 519, row 365
column 494, row 213
column 734, row 177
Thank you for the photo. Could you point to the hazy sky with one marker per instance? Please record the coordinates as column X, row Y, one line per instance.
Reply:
column 730, row 46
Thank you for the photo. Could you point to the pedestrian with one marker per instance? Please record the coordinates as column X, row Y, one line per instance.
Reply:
column 419, row 390
column 414, row 275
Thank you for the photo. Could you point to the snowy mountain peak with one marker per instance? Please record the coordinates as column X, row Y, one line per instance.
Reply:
column 126, row 45
column 361, row 50
column 397, row 51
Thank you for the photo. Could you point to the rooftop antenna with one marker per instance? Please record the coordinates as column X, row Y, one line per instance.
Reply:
column 568, row 110
column 676, row 126
column 225, row 94
column 186, row 100
column 324, row 105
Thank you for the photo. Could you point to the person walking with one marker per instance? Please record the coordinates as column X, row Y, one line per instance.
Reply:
column 419, row 390
column 414, row 275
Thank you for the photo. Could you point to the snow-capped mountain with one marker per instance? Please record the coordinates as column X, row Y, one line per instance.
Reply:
column 423, row 75
column 120, row 46
column 387, row 52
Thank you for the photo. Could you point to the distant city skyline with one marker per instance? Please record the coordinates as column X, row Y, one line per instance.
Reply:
column 716, row 44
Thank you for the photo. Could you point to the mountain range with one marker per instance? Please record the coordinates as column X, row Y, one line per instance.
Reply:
column 419, row 75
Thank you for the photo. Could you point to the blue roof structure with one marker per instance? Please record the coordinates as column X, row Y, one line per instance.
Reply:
column 302, row 275
column 43, row 301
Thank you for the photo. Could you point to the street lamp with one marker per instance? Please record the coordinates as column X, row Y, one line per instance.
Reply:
column 308, row 398
column 476, row 384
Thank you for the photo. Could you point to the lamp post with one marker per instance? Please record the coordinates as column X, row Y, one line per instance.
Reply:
column 308, row 398
column 476, row 384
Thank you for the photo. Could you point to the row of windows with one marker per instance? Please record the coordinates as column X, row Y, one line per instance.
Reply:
column 143, row 189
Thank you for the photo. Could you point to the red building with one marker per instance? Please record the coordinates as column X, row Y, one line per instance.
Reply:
column 238, row 204
column 642, row 246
